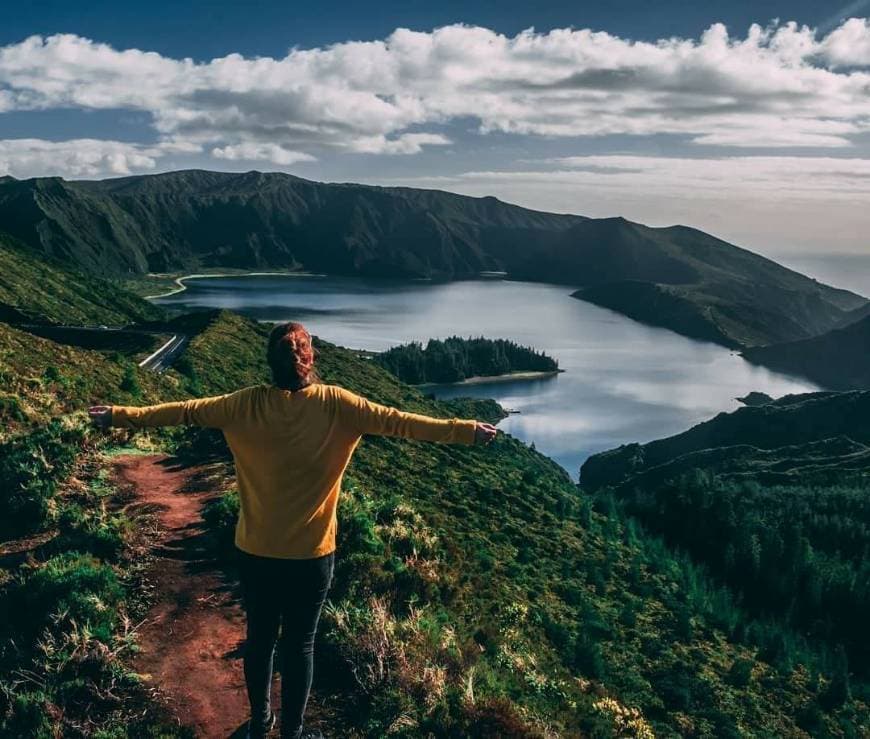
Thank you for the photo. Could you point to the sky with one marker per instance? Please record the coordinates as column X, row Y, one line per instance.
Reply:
column 750, row 120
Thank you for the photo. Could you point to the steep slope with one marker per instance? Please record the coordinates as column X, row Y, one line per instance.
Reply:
column 543, row 609
column 185, row 219
column 728, row 295
column 477, row 593
column 783, row 423
column 37, row 289
column 773, row 499
column 839, row 359
column 676, row 277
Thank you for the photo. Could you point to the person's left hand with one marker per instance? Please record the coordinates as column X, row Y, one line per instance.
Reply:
column 484, row 433
column 101, row 416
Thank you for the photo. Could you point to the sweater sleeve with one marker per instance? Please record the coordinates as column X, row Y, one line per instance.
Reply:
column 365, row 417
column 215, row 412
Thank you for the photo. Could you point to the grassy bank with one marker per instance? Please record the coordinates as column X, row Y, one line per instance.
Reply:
column 69, row 569
column 42, row 290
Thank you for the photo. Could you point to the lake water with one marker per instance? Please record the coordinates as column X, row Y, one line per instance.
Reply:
column 623, row 381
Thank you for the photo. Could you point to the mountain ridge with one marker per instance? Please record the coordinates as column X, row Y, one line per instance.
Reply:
column 789, row 421
column 811, row 358
column 45, row 291
column 676, row 276
column 773, row 499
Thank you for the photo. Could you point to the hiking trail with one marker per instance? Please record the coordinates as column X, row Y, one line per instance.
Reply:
column 192, row 638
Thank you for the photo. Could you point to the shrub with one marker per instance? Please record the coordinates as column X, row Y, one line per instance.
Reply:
column 220, row 516
column 10, row 407
column 93, row 531
column 130, row 381
column 588, row 658
column 184, row 366
column 740, row 672
column 66, row 588
column 51, row 374
column 31, row 466
column 28, row 716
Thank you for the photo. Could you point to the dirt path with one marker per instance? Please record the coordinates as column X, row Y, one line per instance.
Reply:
column 191, row 640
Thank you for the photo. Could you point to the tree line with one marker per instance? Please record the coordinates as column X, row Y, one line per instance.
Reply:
column 796, row 552
column 456, row 358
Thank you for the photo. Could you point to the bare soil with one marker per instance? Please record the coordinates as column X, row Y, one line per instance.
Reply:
column 191, row 641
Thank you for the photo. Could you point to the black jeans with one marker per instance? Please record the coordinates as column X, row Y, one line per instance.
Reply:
column 286, row 594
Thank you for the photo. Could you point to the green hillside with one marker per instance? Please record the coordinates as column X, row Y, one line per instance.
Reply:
column 40, row 379
column 676, row 277
column 39, row 290
column 478, row 591
column 785, row 423
column 773, row 499
column 552, row 605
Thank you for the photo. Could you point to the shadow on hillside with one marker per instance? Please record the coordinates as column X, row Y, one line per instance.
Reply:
column 193, row 543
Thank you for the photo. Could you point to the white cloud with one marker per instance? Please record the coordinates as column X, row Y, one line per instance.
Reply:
column 261, row 152
column 780, row 86
column 407, row 143
column 75, row 158
column 762, row 176
column 849, row 45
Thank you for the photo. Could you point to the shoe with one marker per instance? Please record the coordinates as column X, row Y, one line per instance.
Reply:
column 259, row 732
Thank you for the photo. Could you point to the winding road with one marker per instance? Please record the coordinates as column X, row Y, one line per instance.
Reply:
column 158, row 361
column 164, row 356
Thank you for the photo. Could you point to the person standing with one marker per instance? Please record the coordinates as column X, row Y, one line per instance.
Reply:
column 291, row 441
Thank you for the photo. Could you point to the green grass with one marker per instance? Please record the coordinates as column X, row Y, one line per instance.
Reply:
column 560, row 616
column 478, row 592
column 31, row 468
column 149, row 285
column 65, row 633
column 44, row 290
column 68, row 588
column 42, row 379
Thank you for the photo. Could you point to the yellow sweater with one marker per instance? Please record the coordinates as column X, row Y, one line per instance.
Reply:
column 291, row 450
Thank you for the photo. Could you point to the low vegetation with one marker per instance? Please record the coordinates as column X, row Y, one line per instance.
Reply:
column 70, row 553
column 45, row 291
column 40, row 379
column 478, row 591
column 797, row 552
column 560, row 616
column 66, row 581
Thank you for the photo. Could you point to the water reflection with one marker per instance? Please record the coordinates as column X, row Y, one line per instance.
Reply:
column 623, row 381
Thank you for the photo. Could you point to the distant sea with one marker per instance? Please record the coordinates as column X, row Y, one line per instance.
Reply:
column 850, row 271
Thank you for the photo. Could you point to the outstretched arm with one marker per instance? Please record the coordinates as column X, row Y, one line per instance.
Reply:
column 366, row 417
column 215, row 412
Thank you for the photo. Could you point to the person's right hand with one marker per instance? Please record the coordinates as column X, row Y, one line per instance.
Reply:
column 101, row 416
column 484, row 433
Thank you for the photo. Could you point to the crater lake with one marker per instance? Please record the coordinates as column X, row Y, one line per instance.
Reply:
column 622, row 382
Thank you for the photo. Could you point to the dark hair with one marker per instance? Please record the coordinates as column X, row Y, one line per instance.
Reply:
column 290, row 354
